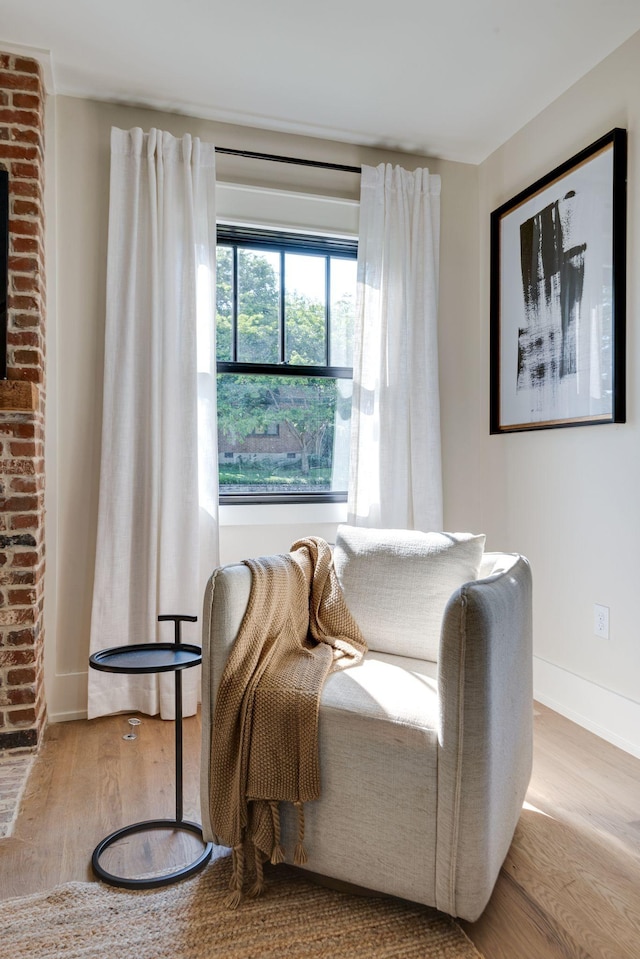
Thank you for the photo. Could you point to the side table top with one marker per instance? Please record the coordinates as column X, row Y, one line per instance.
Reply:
column 146, row 658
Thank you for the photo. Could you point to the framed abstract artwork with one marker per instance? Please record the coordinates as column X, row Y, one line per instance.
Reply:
column 558, row 290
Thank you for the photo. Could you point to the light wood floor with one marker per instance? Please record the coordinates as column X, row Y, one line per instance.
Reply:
column 569, row 889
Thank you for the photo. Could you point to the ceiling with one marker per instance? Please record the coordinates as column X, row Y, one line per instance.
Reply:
column 449, row 79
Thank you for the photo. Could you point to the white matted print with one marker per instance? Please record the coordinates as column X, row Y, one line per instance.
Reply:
column 557, row 297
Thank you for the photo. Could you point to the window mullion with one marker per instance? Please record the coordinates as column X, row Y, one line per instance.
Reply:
column 283, row 338
column 276, row 369
column 327, row 309
column 234, row 292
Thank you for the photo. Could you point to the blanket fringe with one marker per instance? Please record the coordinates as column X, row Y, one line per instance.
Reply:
column 299, row 853
column 277, row 853
column 258, row 887
column 233, row 900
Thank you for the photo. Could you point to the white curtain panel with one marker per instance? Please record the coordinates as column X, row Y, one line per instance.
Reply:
column 395, row 475
column 157, row 520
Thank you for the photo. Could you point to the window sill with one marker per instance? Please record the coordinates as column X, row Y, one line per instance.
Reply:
column 278, row 514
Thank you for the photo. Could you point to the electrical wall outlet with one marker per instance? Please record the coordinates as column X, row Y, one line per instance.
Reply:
column 601, row 621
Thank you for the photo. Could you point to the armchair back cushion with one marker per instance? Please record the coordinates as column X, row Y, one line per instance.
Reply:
column 397, row 583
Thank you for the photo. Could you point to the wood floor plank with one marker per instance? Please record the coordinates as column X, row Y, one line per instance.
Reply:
column 514, row 927
column 561, row 871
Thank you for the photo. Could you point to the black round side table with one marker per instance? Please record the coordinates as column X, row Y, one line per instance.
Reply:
column 154, row 658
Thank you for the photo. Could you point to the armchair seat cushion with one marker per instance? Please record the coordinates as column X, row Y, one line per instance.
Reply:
column 391, row 689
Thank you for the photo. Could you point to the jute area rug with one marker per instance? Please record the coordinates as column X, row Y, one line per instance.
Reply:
column 293, row 919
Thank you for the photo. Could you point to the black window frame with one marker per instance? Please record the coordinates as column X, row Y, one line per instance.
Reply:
column 283, row 242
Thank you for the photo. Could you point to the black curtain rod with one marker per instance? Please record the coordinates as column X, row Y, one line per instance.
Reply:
column 319, row 164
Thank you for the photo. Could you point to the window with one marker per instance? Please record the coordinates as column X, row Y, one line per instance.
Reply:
column 271, row 429
column 285, row 312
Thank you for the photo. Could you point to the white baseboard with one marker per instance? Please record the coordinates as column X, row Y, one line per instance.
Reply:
column 66, row 717
column 607, row 714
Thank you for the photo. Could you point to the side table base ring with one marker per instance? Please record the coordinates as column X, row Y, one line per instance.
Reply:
column 151, row 882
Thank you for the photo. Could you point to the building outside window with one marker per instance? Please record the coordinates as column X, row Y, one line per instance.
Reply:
column 285, row 313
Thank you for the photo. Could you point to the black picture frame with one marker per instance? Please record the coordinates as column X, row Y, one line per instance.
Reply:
column 558, row 295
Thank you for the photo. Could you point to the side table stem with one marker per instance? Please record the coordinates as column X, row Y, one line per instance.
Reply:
column 178, row 732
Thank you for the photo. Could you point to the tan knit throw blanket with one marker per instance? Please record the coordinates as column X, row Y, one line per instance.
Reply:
column 264, row 749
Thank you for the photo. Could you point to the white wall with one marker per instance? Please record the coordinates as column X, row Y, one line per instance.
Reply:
column 79, row 200
column 567, row 498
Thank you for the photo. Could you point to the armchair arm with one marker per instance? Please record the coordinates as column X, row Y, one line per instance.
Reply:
column 486, row 732
column 225, row 602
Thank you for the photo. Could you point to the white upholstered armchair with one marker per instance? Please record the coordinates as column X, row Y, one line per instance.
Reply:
column 425, row 747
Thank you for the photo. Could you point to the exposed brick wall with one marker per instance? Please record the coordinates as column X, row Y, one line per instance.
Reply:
column 22, row 400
